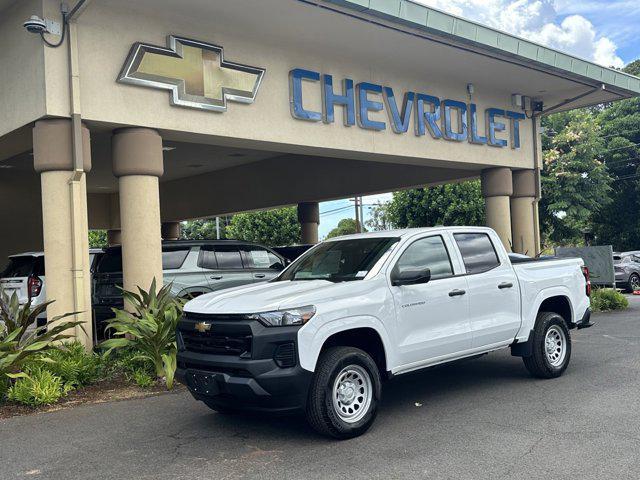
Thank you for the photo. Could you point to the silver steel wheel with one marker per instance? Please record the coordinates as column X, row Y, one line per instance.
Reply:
column 352, row 392
column 555, row 345
column 634, row 282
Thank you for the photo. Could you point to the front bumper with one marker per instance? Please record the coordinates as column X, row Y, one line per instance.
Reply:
column 255, row 379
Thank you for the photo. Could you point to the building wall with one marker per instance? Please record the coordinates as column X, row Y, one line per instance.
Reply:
column 106, row 34
column 20, row 215
column 22, row 95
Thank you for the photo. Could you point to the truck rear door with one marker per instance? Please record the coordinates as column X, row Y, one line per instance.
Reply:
column 494, row 295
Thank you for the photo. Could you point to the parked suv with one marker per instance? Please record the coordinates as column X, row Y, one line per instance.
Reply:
column 24, row 275
column 191, row 267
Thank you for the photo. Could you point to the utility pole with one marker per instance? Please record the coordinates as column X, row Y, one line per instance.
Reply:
column 357, row 207
column 218, row 228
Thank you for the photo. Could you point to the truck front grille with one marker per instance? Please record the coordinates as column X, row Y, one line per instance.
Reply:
column 217, row 344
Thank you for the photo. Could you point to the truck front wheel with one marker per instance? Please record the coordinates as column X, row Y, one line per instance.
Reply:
column 550, row 348
column 344, row 394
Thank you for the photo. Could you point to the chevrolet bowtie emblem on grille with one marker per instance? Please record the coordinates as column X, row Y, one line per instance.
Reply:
column 195, row 72
column 203, row 327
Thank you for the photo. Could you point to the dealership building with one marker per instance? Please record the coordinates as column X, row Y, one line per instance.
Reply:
column 134, row 116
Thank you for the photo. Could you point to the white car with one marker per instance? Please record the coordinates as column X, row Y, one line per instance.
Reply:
column 355, row 310
column 25, row 276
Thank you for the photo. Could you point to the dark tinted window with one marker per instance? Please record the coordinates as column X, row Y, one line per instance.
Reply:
column 477, row 251
column 19, row 267
column 228, row 257
column 428, row 253
column 173, row 258
column 340, row 260
column 262, row 258
column 207, row 258
column 111, row 262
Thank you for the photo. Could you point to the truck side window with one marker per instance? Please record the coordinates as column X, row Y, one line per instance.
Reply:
column 428, row 253
column 477, row 252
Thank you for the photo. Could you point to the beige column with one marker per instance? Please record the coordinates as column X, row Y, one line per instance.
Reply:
column 496, row 189
column 114, row 237
column 170, row 230
column 137, row 162
column 524, row 213
column 309, row 218
column 64, row 222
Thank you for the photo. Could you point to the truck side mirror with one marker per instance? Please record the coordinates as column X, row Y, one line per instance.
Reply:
column 410, row 276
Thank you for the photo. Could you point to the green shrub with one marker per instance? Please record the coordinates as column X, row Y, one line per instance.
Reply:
column 38, row 387
column 142, row 378
column 73, row 365
column 605, row 299
column 150, row 330
column 19, row 341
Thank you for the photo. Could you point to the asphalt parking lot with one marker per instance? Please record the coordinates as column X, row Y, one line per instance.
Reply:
column 480, row 419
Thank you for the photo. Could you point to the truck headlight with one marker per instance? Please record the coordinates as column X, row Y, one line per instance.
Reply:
column 283, row 318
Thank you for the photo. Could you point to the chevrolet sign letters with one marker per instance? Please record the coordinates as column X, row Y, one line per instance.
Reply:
column 431, row 114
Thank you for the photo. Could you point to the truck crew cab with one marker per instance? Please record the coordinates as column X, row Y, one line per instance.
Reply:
column 352, row 311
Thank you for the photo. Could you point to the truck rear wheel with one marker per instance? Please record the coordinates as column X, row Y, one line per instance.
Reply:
column 550, row 348
column 344, row 394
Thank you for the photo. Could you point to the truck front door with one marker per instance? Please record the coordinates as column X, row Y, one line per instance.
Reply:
column 433, row 317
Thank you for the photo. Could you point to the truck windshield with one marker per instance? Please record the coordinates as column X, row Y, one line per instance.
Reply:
column 339, row 261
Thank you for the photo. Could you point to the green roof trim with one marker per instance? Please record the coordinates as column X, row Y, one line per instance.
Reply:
column 437, row 22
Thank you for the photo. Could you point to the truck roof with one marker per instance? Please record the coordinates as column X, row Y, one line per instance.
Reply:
column 403, row 232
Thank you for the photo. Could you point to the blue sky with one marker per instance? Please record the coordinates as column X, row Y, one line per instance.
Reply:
column 602, row 31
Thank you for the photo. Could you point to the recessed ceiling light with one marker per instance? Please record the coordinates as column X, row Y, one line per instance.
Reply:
column 6, row 167
column 168, row 149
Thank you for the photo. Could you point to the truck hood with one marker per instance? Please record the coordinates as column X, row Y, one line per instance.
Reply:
column 264, row 297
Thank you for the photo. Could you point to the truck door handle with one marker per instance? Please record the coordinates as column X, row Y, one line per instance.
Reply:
column 457, row 292
column 505, row 285
column 216, row 277
column 259, row 275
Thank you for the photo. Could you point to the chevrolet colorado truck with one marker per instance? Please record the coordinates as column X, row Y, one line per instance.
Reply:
column 353, row 311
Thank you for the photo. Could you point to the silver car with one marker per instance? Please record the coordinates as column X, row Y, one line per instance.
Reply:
column 191, row 267
column 627, row 270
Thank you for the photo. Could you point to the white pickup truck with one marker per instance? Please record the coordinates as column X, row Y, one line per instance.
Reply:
column 356, row 310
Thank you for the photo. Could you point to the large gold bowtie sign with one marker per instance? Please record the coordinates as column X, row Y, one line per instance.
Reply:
column 196, row 74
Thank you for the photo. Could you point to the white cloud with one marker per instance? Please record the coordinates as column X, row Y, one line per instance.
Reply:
column 537, row 20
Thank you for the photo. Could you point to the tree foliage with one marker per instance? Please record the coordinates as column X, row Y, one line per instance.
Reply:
column 452, row 204
column 575, row 181
column 203, row 229
column 276, row 227
column 346, row 226
column 97, row 239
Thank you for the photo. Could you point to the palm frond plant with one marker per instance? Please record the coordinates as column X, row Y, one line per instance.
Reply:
column 19, row 341
column 149, row 328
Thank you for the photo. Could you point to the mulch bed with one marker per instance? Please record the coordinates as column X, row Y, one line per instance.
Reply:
column 112, row 390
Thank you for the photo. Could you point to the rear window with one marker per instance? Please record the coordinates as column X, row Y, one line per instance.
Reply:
column 477, row 252
column 23, row 267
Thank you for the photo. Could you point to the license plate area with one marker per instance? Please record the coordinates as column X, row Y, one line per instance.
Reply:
column 203, row 382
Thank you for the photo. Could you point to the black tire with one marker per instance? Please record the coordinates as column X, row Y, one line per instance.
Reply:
column 219, row 408
column 539, row 364
column 634, row 281
column 321, row 412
